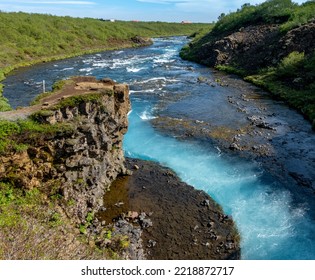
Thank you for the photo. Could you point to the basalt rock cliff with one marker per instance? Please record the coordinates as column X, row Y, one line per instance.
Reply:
column 80, row 161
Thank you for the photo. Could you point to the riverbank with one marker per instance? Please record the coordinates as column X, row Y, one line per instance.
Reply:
column 270, row 45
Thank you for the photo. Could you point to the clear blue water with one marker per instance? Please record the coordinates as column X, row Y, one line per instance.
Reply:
column 270, row 224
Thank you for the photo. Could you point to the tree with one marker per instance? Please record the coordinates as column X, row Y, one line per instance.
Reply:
column 221, row 16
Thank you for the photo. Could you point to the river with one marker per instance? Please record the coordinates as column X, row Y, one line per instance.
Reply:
column 271, row 224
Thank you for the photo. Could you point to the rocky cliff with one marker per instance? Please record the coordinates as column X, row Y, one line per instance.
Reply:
column 79, row 161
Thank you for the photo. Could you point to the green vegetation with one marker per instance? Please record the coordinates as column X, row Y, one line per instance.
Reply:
column 78, row 99
column 26, row 37
column 17, row 135
column 32, row 229
column 272, row 11
column 88, row 221
column 292, row 79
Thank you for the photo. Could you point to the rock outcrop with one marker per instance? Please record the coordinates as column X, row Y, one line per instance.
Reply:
column 141, row 41
column 78, row 162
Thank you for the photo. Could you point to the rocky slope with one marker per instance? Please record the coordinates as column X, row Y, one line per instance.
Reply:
column 255, row 47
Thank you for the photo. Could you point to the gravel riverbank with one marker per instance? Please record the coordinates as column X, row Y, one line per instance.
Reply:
column 176, row 221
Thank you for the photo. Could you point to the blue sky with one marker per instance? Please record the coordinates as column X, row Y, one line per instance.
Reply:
column 148, row 10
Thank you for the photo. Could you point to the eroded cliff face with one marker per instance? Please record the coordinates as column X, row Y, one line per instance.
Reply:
column 78, row 163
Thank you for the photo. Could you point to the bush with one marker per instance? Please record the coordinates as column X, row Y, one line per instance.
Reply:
column 291, row 65
column 283, row 12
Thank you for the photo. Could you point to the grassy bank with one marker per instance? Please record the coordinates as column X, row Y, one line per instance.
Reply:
column 27, row 39
column 292, row 80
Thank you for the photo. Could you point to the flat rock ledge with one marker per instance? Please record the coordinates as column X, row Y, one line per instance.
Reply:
column 170, row 219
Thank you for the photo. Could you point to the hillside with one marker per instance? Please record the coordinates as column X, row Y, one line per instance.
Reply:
column 31, row 38
column 271, row 45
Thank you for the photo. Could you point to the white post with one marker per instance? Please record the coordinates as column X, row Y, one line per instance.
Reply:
column 44, row 86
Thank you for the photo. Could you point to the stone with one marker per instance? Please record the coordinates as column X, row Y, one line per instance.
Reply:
column 151, row 243
column 107, row 81
column 132, row 214
column 234, row 147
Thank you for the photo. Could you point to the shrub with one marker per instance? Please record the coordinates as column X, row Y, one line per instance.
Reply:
column 290, row 65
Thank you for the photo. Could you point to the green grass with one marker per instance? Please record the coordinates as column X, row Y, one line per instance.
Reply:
column 78, row 99
column 18, row 135
column 284, row 12
column 293, row 80
column 32, row 229
column 27, row 37
column 231, row 70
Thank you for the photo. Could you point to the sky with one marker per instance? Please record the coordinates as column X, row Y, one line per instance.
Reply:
column 146, row 10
